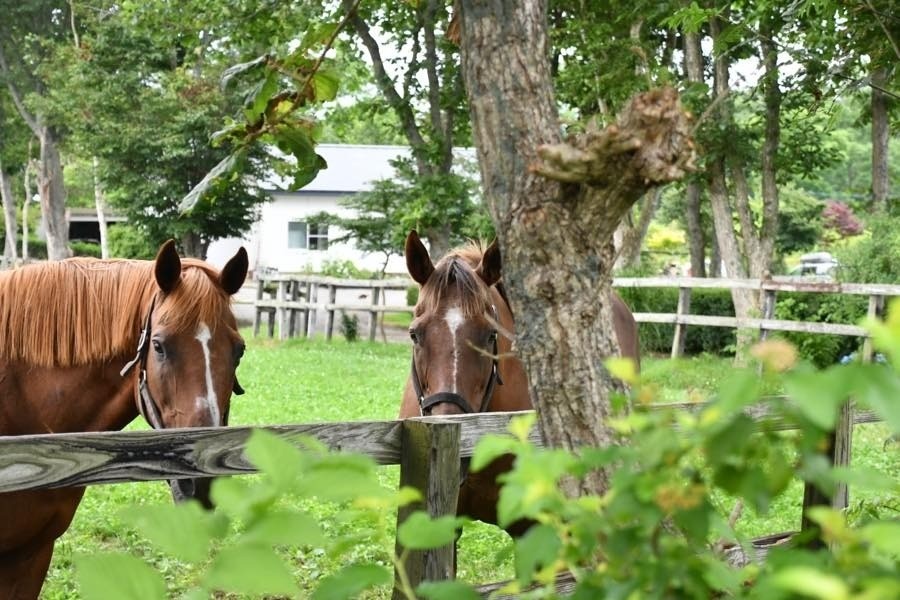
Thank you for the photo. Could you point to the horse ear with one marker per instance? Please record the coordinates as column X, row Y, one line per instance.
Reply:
column 418, row 263
column 234, row 273
column 489, row 267
column 168, row 267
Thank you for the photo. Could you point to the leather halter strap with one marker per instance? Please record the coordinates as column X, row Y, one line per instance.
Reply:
column 426, row 403
column 145, row 403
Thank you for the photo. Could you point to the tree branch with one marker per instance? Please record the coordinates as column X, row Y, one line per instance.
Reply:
column 29, row 119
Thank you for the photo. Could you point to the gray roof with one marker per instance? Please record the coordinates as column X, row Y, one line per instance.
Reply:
column 353, row 168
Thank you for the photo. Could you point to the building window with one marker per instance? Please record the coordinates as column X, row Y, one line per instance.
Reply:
column 307, row 235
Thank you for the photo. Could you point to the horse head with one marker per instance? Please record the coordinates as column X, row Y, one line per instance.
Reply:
column 190, row 349
column 455, row 330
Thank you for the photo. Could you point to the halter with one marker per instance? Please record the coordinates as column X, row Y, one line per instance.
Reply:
column 146, row 405
column 428, row 402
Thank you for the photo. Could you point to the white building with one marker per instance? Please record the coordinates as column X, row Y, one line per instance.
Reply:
column 283, row 239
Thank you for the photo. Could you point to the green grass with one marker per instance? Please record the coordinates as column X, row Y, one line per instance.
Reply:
column 304, row 381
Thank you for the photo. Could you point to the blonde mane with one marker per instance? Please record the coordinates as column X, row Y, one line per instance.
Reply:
column 82, row 311
column 456, row 272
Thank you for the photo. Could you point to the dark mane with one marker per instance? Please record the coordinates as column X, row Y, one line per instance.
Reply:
column 81, row 311
column 455, row 273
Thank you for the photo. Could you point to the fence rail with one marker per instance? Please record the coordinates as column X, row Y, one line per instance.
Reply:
column 428, row 450
column 768, row 290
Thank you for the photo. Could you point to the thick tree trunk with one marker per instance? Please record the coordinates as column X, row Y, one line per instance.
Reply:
column 880, row 139
column 555, row 207
column 52, row 192
column 193, row 245
column 631, row 234
column 9, row 214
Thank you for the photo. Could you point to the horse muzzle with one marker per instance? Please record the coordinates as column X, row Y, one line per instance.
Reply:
column 197, row 489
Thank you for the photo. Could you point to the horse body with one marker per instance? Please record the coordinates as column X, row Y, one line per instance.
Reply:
column 463, row 307
column 67, row 329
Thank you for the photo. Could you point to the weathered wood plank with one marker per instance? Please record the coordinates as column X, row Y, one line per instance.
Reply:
column 430, row 463
column 752, row 323
column 72, row 459
column 778, row 284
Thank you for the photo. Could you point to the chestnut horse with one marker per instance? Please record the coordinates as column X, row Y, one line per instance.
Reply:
column 462, row 362
column 85, row 345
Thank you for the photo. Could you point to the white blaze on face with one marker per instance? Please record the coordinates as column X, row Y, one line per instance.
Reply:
column 454, row 319
column 209, row 401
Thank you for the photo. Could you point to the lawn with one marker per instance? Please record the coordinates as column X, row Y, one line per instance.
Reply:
column 303, row 381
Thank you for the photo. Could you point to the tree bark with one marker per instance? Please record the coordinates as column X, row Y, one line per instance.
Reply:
column 194, row 245
column 880, row 139
column 9, row 214
column 693, row 67
column 52, row 192
column 555, row 206
column 100, row 203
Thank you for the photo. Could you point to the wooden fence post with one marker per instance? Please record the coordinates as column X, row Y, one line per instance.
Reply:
column 684, row 308
column 768, row 311
column 313, row 300
column 838, row 452
column 373, row 321
column 429, row 462
column 332, row 298
column 876, row 309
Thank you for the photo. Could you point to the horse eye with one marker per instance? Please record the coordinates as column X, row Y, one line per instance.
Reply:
column 414, row 336
column 158, row 347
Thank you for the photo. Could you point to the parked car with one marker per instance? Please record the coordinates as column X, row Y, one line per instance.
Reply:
column 816, row 264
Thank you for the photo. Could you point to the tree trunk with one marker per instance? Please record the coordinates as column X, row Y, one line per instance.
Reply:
column 555, row 206
column 194, row 245
column 745, row 302
column 52, row 192
column 9, row 214
column 100, row 203
column 628, row 248
column 880, row 139
column 26, row 180
column 693, row 67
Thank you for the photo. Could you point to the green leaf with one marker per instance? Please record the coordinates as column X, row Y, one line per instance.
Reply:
column 225, row 167
column 447, row 590
column 866, row 478
column 259, row 96
column 883, row 535
column 520, row 426
column 880, row 389
column 537, row 549
column 741, row 389
column 286, row 528
column 325, row 83
column 350, row 581
column 421, row 532
column 251, row 569
column 811, row 582
column 182, row 530
column 119, row 576
column 275, row 457
column 240, row 497
column 490, row 447
column 234, row 70
column 819, row 395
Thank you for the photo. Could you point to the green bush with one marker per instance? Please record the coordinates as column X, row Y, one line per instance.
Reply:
column 657, row 337
column 85, row 249
column 344, row 269
column 349, row 327
column 873, row 258
column 821, row 350
column 127, row 241
column 412, row 295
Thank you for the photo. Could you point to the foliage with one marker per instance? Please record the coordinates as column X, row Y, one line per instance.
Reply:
column 344, row 269
column 821, row 350
column 129, row 241
column 839, row 220
column 412, row 295
column 349, row 327
column 873, row 258
column 657, row 337
column 85, row 249
column 799, row 221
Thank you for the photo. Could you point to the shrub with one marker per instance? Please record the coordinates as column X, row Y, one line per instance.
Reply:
column 85, row 249
column 821, row 350
column 349, row 327
column 657, row 337
column 874, row 258
column 127, row 241
column 412, row 295
column 344, row 269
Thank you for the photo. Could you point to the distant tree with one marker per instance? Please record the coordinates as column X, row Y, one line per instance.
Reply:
column 838, row 218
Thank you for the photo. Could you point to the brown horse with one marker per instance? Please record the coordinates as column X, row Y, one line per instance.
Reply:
column 85, row 345
column 462, row 361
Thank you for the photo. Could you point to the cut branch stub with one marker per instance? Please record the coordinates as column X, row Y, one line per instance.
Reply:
column 650, row 145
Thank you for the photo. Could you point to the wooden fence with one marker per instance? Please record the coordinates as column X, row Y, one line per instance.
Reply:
column 428, row 450
column 293, row 302
column 768, row 291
